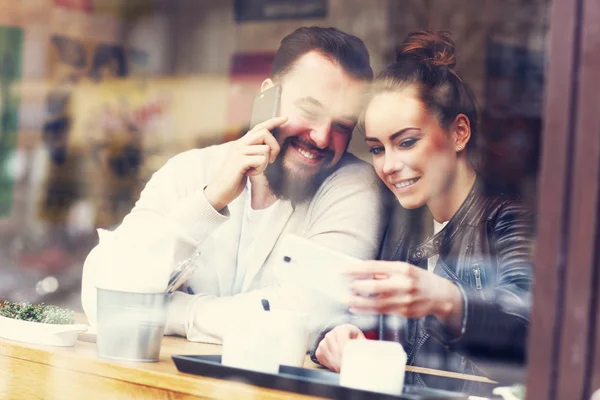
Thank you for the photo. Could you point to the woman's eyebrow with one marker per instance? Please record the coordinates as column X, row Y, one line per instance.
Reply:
column 392, row 136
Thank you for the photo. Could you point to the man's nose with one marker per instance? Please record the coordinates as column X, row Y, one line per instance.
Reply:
column 320, row 134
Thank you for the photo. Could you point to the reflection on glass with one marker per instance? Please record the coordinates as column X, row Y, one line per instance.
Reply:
column 96, row 96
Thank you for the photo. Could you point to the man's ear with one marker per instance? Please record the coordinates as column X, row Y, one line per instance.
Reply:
column 267, row 83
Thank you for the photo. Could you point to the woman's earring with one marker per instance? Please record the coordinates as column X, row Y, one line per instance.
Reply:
column 459, row 148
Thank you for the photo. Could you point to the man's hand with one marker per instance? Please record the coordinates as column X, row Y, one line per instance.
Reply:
column 247, row 156
column 329, row 352
column 393, row 287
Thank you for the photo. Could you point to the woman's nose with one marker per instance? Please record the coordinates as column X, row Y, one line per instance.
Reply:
column 392, row 164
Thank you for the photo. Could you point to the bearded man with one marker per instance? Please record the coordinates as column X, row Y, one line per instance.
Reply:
column 232, row 203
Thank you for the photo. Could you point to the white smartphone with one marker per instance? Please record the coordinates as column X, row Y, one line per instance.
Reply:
column 307, row 264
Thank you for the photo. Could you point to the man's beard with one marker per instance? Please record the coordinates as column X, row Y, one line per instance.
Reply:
column 295, row 186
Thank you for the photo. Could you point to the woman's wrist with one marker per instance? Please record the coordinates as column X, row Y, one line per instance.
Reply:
column 449, row 307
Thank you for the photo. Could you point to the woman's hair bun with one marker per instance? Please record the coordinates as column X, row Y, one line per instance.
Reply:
column 435, row 49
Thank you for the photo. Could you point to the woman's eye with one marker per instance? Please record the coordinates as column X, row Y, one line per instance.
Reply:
column 376, row 150
column 408, row 143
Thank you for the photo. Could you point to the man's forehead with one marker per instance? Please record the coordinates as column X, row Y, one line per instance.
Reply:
column 316, row 79
column 316, row 67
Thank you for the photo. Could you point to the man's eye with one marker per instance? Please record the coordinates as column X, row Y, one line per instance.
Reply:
column 408, row 143
column 376, row 150
column 343, row 128
column 310, row 113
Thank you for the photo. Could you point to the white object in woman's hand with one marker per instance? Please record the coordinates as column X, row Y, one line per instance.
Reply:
column 329, row 352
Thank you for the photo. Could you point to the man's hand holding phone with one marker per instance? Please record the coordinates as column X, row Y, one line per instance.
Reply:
column 247, row 156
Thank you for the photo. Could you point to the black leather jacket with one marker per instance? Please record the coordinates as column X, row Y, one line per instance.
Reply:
column 486, row 250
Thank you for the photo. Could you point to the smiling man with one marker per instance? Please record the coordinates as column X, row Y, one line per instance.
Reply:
column 234, row 202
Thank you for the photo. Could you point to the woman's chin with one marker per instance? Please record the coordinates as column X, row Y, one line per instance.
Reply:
column 409, row 203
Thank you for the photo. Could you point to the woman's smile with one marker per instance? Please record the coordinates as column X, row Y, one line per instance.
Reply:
column 403, row 185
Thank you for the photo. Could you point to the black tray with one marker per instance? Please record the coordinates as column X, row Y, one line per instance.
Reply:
column 301, row 380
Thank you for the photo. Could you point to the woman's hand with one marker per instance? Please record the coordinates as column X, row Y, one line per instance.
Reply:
column 391, row 287
column 329, row 352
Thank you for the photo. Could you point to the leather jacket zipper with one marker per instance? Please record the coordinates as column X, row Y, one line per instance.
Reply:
column 477, row 273
column 417, row 346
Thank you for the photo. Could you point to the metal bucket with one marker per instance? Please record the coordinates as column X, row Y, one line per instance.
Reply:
column 131, row 325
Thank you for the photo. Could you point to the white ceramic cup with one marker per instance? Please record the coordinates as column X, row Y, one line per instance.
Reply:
column 373, row 365
column 264, row 340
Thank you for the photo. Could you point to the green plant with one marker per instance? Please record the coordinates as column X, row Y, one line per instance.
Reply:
column 43, row 313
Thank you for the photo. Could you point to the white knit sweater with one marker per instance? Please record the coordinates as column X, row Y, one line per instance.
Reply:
column 172, row 218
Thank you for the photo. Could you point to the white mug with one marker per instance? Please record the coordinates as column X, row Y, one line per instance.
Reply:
column 264, row 340
column 289, row 336
column 373, row 365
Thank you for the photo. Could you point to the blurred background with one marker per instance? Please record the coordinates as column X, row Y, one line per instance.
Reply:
column 95, row 95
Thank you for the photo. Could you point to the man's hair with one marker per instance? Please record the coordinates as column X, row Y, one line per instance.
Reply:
column 346, row 50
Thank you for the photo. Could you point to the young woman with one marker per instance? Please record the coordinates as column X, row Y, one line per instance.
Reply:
column 459, row 261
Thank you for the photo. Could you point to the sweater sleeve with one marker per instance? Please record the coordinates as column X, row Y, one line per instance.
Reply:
column 169, row 221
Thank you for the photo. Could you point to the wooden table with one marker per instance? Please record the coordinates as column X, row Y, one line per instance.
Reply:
column 41, row 372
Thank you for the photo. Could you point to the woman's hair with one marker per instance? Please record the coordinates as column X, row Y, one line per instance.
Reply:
column 427, row 60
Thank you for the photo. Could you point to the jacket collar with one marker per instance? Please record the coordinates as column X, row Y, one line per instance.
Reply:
column 463, row 216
